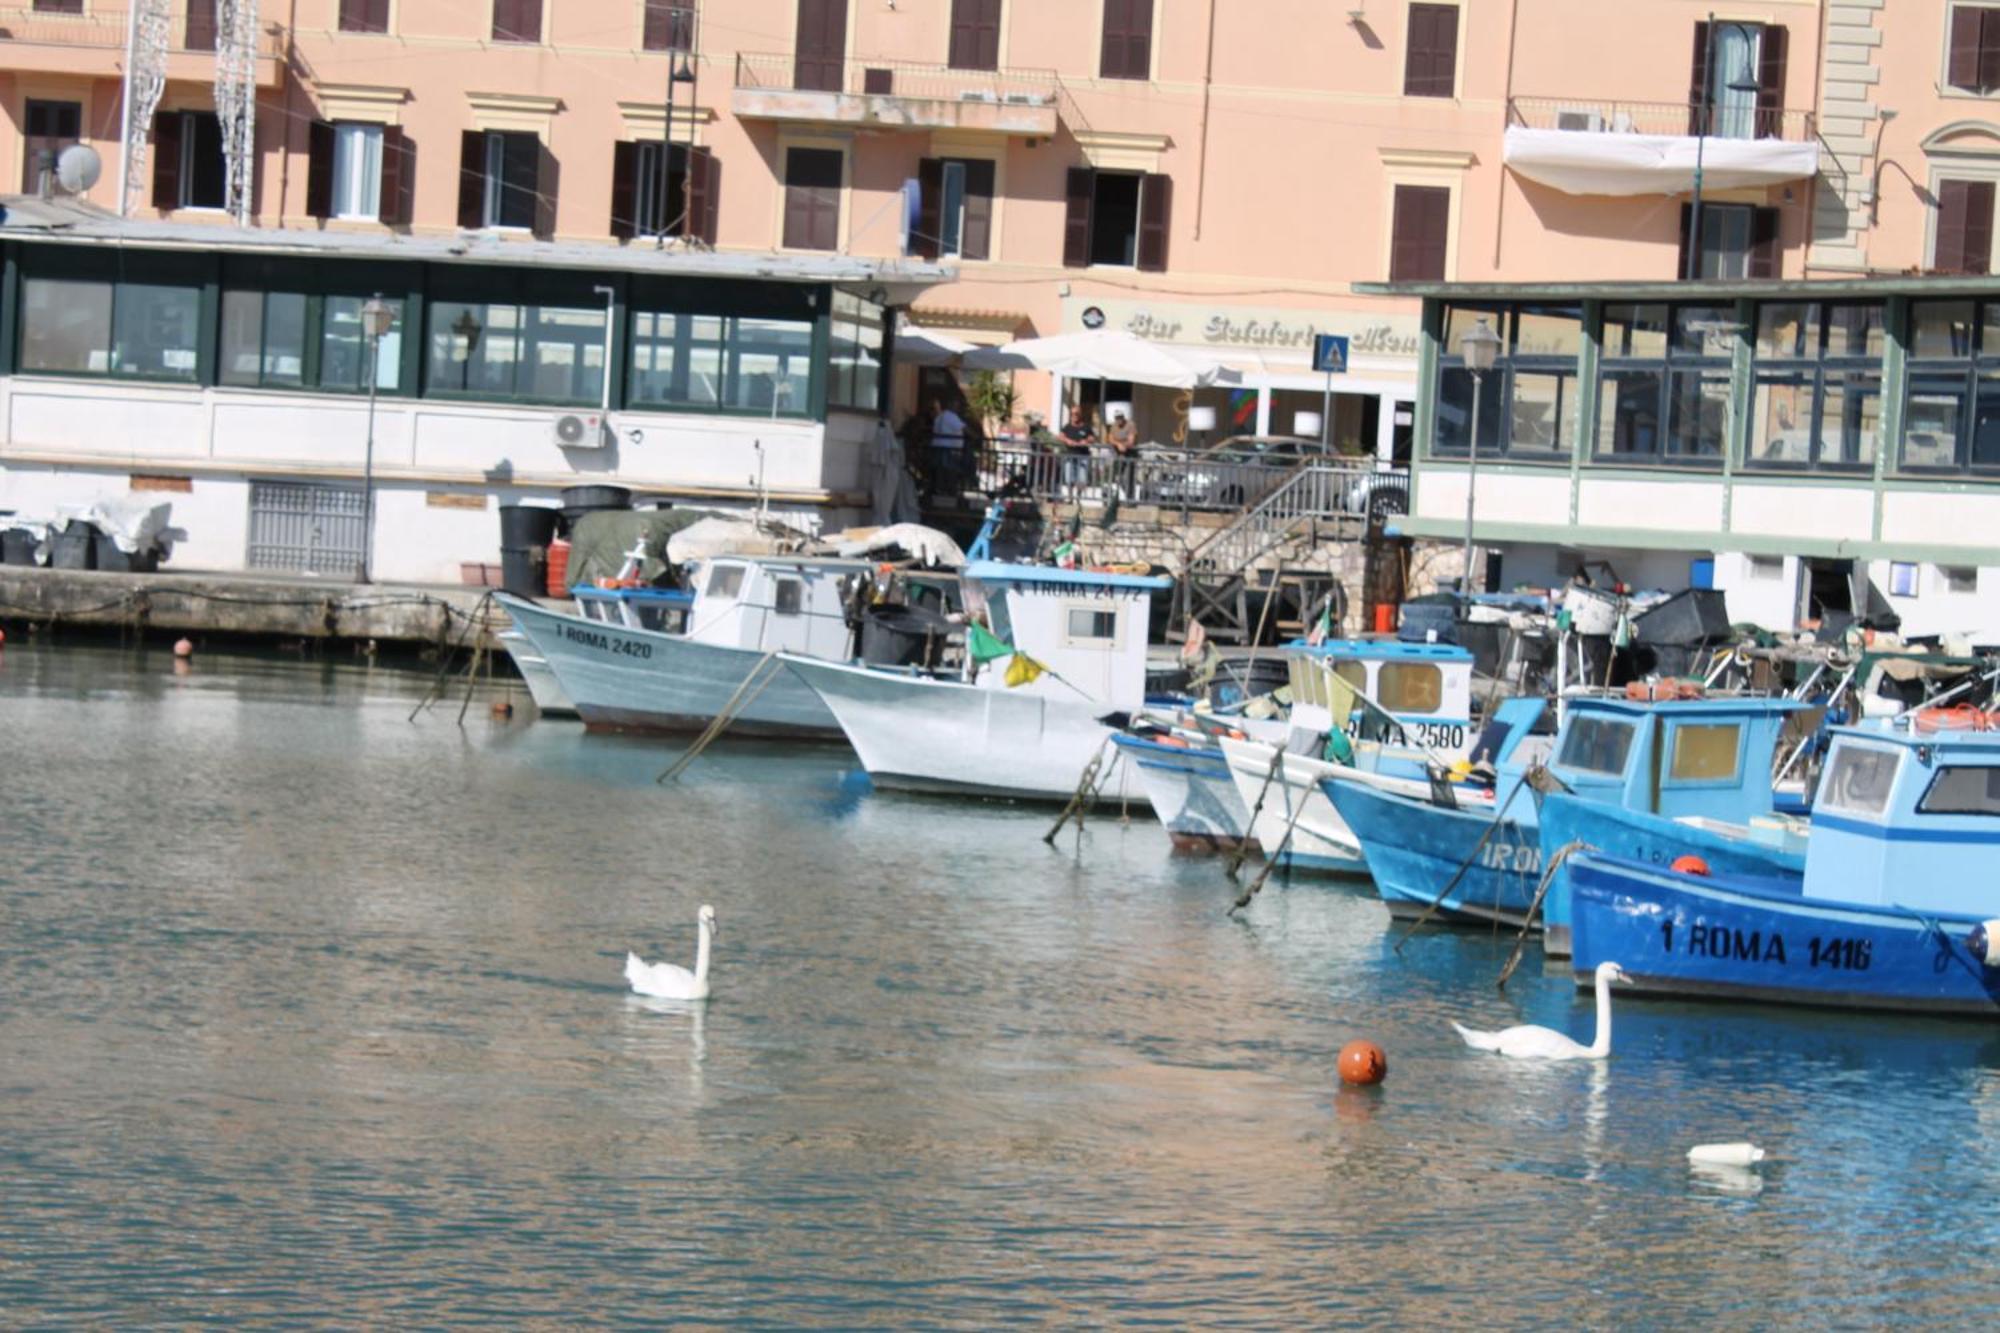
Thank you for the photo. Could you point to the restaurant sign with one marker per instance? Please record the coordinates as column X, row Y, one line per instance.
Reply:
column 1247, row 328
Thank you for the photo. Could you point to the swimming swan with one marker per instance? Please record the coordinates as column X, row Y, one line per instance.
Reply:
column 668, row 982
column 1528, row 1042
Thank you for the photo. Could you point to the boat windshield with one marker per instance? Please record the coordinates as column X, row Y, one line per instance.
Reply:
column 1858, row 779
column 1596, row 745
column 1963, row 789
column 1410, row 687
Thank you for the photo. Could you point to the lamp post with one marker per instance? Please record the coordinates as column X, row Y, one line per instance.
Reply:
column 376, row 317
column 1705, row 114
column 1481, row 348
column 468, row 330
column 680, row 69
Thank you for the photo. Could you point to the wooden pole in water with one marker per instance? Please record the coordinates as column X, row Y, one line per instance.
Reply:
column 720, row 722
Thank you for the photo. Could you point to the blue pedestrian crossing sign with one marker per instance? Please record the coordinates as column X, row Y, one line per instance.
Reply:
column 1330, row 353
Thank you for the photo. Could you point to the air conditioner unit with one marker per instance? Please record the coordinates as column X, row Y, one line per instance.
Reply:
column 1026, row 99
column 1578, row 118
column 979, row 95
column 575, row 430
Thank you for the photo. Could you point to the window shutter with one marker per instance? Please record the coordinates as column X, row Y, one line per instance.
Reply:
column 1989, row 49
column 1967, row 40
column 166, row 148
column 1156, row 206
column 1077, row 192
column 924, row 237
column 665, row 25
column 1681, row 269
column 1764, row 260
column 975, row 234
column 975, row 34
column 1978, row 256
column 472, row 179
column 624, row 190
column 517, row 20
column 399, row 176
column 1771, row 83
column 319, row 169
column 1431, row 62
column 1419, row 234
column 201, row 28
column 1128, row 39
column 1698, row 80
column 704, row 195
column 544, row 181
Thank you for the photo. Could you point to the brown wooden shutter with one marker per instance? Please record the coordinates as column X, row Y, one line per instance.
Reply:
column 1420, row 233
column 1077, row 194
column 200, row 31
column 1989, row 50
column 664, row 26
column 1698, row 81
column 1964, row 241
column 472, row 179
column 925, row 236
column 704, row 195
column 399, row 176
column 1962, row 65
column 975, row 233
column 975, row 34
column 1771, row 83
column 1127, row 51
column 624, row 190
column 166, row 148
column 1765, row 259
column 364, row 15
column 319, row 169
column 1156, row 208
column 1430, row 65
column 1978, row 253
column 819, row 49
column 1681, row 269
column 517, row 20
column 547, row 173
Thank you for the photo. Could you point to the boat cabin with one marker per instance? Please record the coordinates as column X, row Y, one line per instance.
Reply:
column 1906, row 814
column 1086, row 627
column 662, row 610
column 765, row 602
column 1708, row 757
column 1426, row 687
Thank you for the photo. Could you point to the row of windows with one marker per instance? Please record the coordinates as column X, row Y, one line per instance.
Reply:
column 664, row 25
column 1665, row 375
column 294, row 334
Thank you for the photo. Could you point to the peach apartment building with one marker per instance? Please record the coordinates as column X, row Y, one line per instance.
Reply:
column 1214, row 173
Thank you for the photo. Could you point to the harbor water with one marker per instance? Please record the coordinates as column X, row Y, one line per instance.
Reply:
column 310, row 1012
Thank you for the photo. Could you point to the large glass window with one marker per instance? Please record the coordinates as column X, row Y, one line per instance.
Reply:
column 357, row 171
column 343, row 346
column 548, row 354
column 66, row 325
column 263, row 338
column 1596, row 745
column 1527, row 405
column 1858, row 780
column 1951, row 414
column 1818, row 385
column 854, row 366
column 145, row 330
column 721, row 361
column 1963, row 789
column 1705, row 752
column 1663, row 384
column 1410, row 687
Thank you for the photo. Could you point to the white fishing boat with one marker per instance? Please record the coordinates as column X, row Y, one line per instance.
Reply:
column 1178, row 762
column 1077, row 654
column 663, row 609
column 746, row 610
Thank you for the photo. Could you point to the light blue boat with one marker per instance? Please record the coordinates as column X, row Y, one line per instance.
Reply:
column 1665, row 759
column 1896, row 910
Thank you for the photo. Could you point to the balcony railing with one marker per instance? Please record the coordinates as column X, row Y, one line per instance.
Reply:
column 896, row 78
column 1592, row 115
column 1184, row 485
column 104, row 29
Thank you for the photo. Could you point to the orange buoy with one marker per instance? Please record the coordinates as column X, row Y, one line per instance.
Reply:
column 1690, row 864
column 184, row 648
column 1362, row 1063
column 501, row 708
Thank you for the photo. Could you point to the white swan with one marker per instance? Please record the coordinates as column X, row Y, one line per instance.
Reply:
column 1528, row 1042
column 668, row 982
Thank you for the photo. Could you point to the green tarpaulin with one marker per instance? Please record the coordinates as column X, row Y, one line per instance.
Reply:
column 600, row 539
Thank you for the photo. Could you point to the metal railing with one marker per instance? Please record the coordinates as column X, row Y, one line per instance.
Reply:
column 1265, row 493
column 1596, row 115
column 896, row 78
column 103, row 28
column 1317, row 491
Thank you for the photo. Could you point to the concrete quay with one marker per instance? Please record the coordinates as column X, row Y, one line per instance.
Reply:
column 242, row 606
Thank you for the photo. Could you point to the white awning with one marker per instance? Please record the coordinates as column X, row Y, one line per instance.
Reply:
column 1107, row 354
column 927, row 347
column 1610, row 163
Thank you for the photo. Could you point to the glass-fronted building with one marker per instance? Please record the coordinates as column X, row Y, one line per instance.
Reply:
column 205, row 362
column 1792, row 441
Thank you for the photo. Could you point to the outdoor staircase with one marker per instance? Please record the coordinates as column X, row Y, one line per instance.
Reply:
column 1220, row 574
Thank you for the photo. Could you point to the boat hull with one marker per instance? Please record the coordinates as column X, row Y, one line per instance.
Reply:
column 623, row 679
column 543, row 687
column 1415, row 848
column 1319, row 839
column 920, row 734
column 1638, row 836
column 1749, row 939
column 1191, row 793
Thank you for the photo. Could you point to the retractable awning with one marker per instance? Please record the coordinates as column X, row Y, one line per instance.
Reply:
column 1613, row 163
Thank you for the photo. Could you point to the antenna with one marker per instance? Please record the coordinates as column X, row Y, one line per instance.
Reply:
column 77, row 168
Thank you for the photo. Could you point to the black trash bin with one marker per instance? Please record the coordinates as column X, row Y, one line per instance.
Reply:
column 75, row 547
column 580, row 500
column 109, row 557
column 17, row 546
column 525, row 534
column 902, row 636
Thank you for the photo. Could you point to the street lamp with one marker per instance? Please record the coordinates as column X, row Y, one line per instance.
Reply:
column 376, row 317
column 1705, row 114
column 468, row 330
column 1481, row 348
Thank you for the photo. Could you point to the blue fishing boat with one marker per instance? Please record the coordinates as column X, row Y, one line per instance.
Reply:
column 1482, row 862
column 1896, row 908
column 1186, row 779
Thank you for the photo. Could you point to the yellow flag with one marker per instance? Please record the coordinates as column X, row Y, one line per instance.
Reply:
column 1340, row 697
column 1023, row 670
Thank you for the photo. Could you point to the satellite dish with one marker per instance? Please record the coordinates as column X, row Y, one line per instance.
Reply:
column 78, row 167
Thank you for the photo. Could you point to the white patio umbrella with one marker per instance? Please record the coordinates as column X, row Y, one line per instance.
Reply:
column 926, row 347
column 1106, row 354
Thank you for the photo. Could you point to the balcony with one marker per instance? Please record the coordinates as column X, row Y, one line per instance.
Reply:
column 93, row 45
column 1598, row 147
column 895, row 95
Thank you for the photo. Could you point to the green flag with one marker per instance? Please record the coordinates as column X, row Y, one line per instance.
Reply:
column 982, row 646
